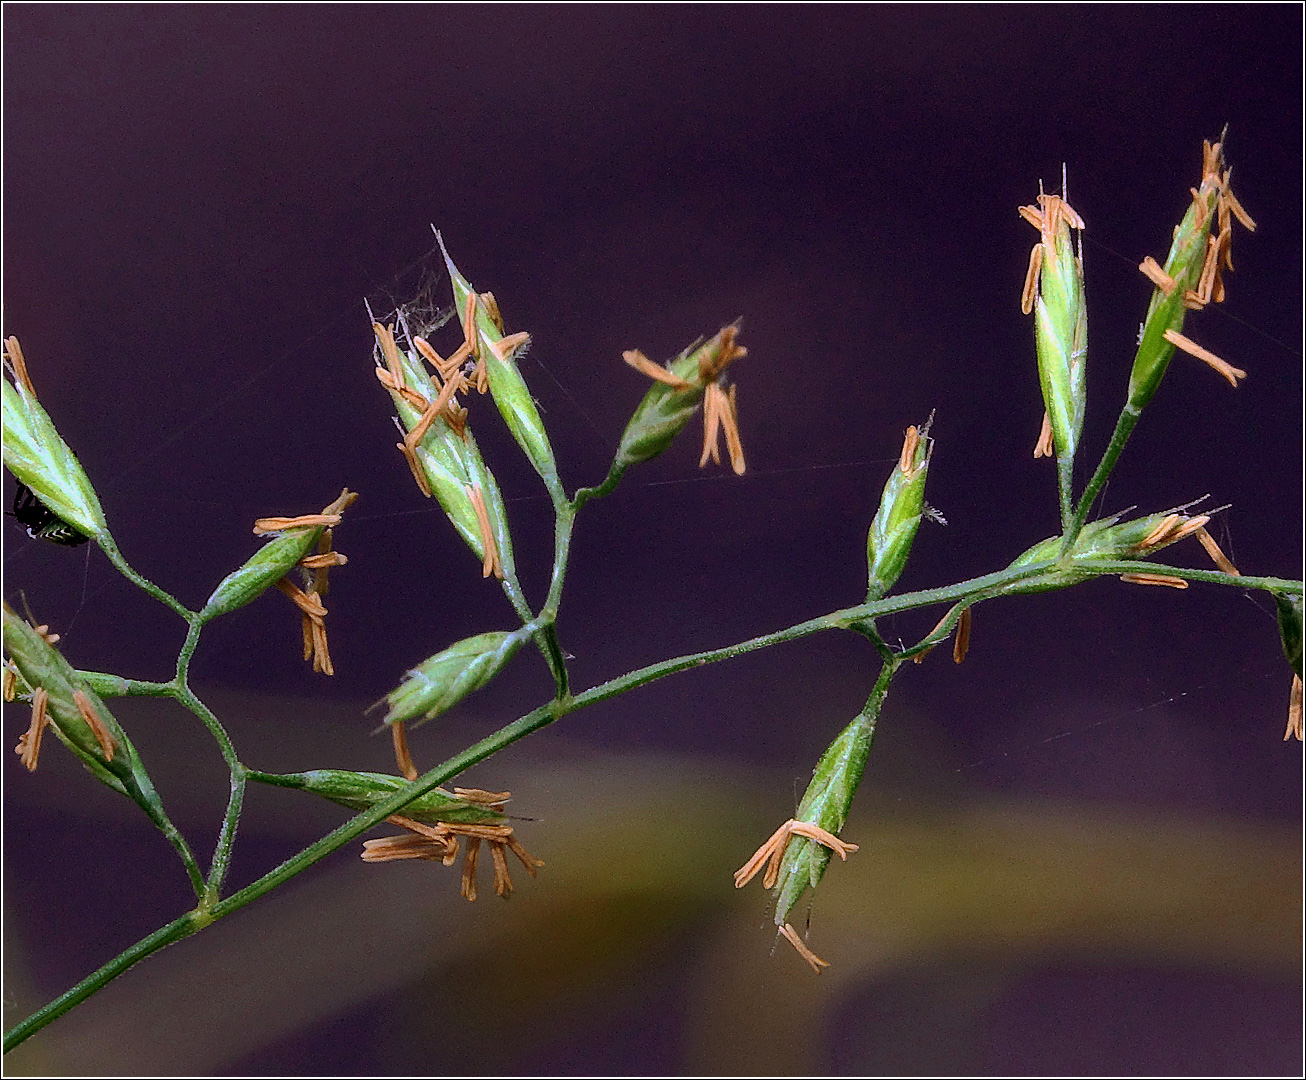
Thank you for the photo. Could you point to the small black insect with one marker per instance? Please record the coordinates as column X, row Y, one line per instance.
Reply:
column 42, row 522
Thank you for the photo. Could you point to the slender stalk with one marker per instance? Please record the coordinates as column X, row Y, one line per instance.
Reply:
column 173, row 835
column 186, row 696
column 610, row 481
column 513, row 590
column 165, row 935
column 195, row 625
column 1066, row 490
column 1210, row 577
column 110, row 547
column 116, row 686
column 970, row 591
column 231, row 818
column 545, row 639
column 1124, row 428
column 226, row 838
column 564, row 523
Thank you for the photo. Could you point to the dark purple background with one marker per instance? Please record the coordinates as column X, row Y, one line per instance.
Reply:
column 197, row 199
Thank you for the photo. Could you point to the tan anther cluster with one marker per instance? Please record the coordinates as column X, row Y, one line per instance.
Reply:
column 1218, row 257
column 911, row 442
column 801, row 947
column 490, row 562
column 1179, row 341
column 772, row 853
column 720, row 415
column 1294, row 728
column 719, row 412
column 1175, row 527
column 449, row 379
column 439, row 843
column 1217, row 556
column 961, row 641
column 312, row 610
column 29, row 743
column 1050, row 213
column 960, row 644
column 93, row 721
column 645, row 366
column 1153, row 272
column 14, row 354
column 1219, row 245
column 1044, row 446
column 1168, row 580
column 1169, row 530
column 463, row 370
column 403, row 758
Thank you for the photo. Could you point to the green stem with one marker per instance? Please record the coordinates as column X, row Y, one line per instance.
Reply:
column 154, row 810
column 165, row 935
column 1066, row 490
column 231, row 819
column 226, row 838
column 173, row 835
column 110, row 547
column 195, row 625
column 1210, row 577
column 513, row 590
column 1124, row 428
column 116, row 686
column 546, row 638
column 564, row 522
column 583, row 495
column 970, row 591
column 543, row 637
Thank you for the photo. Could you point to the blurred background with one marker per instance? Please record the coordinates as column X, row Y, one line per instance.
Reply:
column 1080, row 850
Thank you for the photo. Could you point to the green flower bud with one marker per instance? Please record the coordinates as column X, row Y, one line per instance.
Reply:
column 1190, row 278
column 825, row 804
column 363, row 790
column 443, row 680
column 273, row 561
column 1060, row 320
column 507, row 386
column 665, row 410
column 79, row 719
column 889, row 540
column 1107, row 539
column 674, row 397
column 450, row 463
column 36, row 454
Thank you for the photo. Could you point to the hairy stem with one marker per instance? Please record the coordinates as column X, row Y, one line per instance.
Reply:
column 231, row 819
column 165, row 935
column 1124, row 428
column 110, row 547
column 962, row 594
